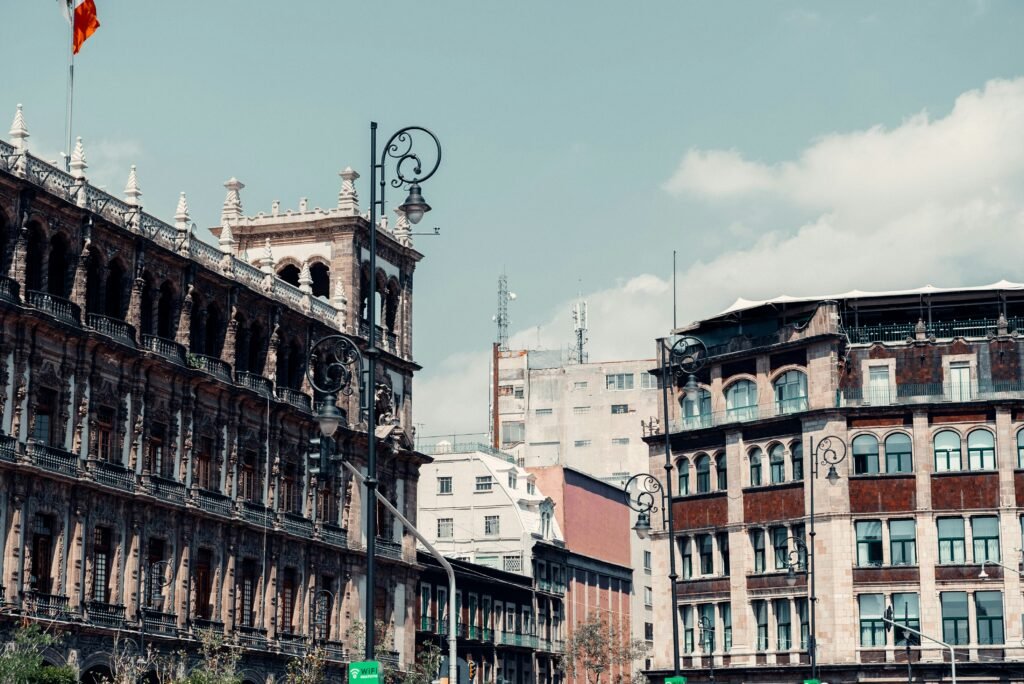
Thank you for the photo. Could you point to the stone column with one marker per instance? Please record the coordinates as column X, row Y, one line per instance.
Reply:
column 76, row 557
column 226, row 593
column 133, row 564
column 184, row 602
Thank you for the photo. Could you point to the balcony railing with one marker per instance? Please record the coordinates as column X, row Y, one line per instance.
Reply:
column 58, row 307
column 212, row 502
column 167, row 489
column 105, row 614
column 385, row 339
column 334, row 535
column 741, row 414
column 48, row 605
column 336, row 651
column 517, row 639
column 208, row 625
column 389, row 658
column 427, row 623
column 487, row 634
column 158, row 622
column 212, row 365
column 52, row 458
column 254, row 637
column 10, row 290
column 112, row 327
column 292, row 644
column 295, row 524
column 8, row 448
column 929, row 393
column 550, row 586
column 389, row 549
column 257, row 383
column 257, row 513
column 169, row 349
column 901, row 332
column 114, row 475
column 297, row 399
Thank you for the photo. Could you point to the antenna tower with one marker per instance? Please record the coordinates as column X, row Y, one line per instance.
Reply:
column 579, row 324
column 501, row 318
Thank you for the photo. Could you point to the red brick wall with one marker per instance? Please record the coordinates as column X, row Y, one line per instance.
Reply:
column 597, row 522
column 706, row 511
column 883, row 494
column 1018, row 486
column 965, row 491
column 885, row 575
column 781, row 502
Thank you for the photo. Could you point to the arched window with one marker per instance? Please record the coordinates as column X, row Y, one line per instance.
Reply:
column 790, row 392
column 289, row 273
column 755, row 467
column 741, row 400
column 94, row 284
column 321, row 276
column 721, row 472
column 684, row 476
column 898, row 453
column 947, row 451
column 865, row 455
column 703, row 474
column 796, row 450
column 1020, row 449
column 777, row 461
column 981, row 450
column 391, row 304
column 213, row 331
column 254, row 362
column 697, row 411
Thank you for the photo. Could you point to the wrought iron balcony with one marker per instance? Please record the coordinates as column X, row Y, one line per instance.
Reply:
column 336, row 651
column 334, row 535
column 105, row 614
column 487, row 634
column 427, row 624
column 901, row 332
column 10, row 290
column 58, row 307
column 208, row 625
column 113, row 475
column 297, row 525
column 389, row 549
column 389, row 658
column 297, row 399
column 212, row 365
column 167, row 489
column 257, row 513
column 741, row 414
column 157, row 622
column 8, row 448
column 169, row 349
column 113, row 328
column 929, row 393
column 212, row 502
column 48, row 605
column 292, row 644
column 257, row 383
column 253, row 637
column 384, row 339
column 52, row 458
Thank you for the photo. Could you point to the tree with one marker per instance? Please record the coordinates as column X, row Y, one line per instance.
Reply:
column 382, row 646
column 309, row 669
column 595, row 646
column 428, row 662
column 218, row 661
column 21, row 662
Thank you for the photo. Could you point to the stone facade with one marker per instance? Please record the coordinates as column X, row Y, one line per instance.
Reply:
column 923, row 392
column 155, row 422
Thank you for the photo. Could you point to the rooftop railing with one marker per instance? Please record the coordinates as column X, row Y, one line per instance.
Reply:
column 901, row 332
column 929, row 393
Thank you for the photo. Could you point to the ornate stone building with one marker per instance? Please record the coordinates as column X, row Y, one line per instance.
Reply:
column 156, row 422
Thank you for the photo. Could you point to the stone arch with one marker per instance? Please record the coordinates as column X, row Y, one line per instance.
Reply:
column 94, row 282
column 288, row 271
column 213, row 330
column 392, row 296
column 320, row 272
column 146, row 304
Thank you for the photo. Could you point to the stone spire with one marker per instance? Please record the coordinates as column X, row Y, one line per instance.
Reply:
column 382, row 224
column 181, row 218
column 19, row 132
column 348, row 198
column 306, row 278
column 131, row 189
column 78, row 165
column 227, row 240
column 402, row 227
column 267, row 262
column 232, row 210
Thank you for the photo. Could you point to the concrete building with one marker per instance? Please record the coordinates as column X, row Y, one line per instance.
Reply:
column 155, row 423
column 924, row 392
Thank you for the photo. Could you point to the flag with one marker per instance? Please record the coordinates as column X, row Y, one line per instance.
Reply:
column 86, row 23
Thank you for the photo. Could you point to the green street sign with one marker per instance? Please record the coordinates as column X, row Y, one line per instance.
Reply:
column 812, row 681
column 366, row 672
column 675, row 680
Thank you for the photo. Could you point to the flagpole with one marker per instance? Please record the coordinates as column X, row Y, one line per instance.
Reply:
column 71, row 85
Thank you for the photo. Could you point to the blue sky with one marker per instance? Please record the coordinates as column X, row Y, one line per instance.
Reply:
column 583, row 142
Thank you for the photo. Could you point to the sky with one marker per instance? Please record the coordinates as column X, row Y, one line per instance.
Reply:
column 778, row 147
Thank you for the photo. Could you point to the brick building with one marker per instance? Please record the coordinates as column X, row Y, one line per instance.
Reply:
column 924, row 390
column 156, row 421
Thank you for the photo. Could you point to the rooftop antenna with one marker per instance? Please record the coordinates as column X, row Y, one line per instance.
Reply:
column 501, row 318
column 579, row 325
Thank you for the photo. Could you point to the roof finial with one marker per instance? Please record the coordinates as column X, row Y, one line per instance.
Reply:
column 182, row 221
column 78, row 165
column 267, row 262
column 19, row 131
column 227, row 240
column 402, row 227
column 131, row 189
column 348, row 198
column 232, row 210
column 306, row 278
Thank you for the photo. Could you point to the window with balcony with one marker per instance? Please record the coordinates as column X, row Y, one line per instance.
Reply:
column 879, row 390
column 985, row 533
column 741, row 400
column 105, row 435
column 899, row 455
column 981, row 450
column 790, row 392
column 43, row 425
column 960, row 386
column 865, row 455
column 951, row 541
column 902, row 542
column 204, row 463
column 247, row 590
column 684, row 476
column 988, row 609
column 101, row 554
column 947, row 451
column 444, row 484
column 777, row 463
column 869, row 543
column 755, row 467
column 291, row 490
column 703, row 467
column 955, row 627
column 872, row 629
column 697, row 410
column 156, row 578
column 721, row 472
column 445, row 528
column 247, row 489
column 40, row 577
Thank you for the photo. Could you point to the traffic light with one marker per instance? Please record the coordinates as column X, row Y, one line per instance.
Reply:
column 472, row 670
column 318, row 455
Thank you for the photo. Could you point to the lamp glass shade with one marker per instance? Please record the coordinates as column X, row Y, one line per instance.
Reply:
column 329, row 417
column 691, row 390
column 643, row 526
column 832, row 476
column 791, row 577
column 414, row 205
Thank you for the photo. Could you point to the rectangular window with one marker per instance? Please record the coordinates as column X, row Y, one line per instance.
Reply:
column 619, row 381
column 517, row 392
column 101, row 565
column 800, row 605
column 687, row 628
column 580, row 410
column 487, row 561
column 204, row 464
column 444, row 484
column 985, row 531
column 542, row 412
column 783, row 625
column 445, row 528
column 620, row 441
column 42, row 428
column 705, row 549
column 761, row 620
column 725, row 611
column 906, row 611
column 878, row 386
column 484, row 483
column 648, row 596
column 686, row 557
column 512, row 480
column 512, row 563
column 620, row 408
column 757, row 542
column 707, row 635
column 872, row 629
column 951, row 540
column 530, row 487
column 955, row 628
column 204, row 583
column 869, row 543
column 988, row 606
column 780, row 545
column 491, row 525
column 579, row 443
column 580, row 385
column 648, row 631
column 960, row 381
column 647, row 561
column 648, row 381
column 513, row 432
column 105, row 434
column 723, row 551
column 902, row 542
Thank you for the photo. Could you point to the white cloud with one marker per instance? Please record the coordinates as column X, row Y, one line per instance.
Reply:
column 931, row 201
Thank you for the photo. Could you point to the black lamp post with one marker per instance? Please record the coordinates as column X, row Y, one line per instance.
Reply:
column 409, row 172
